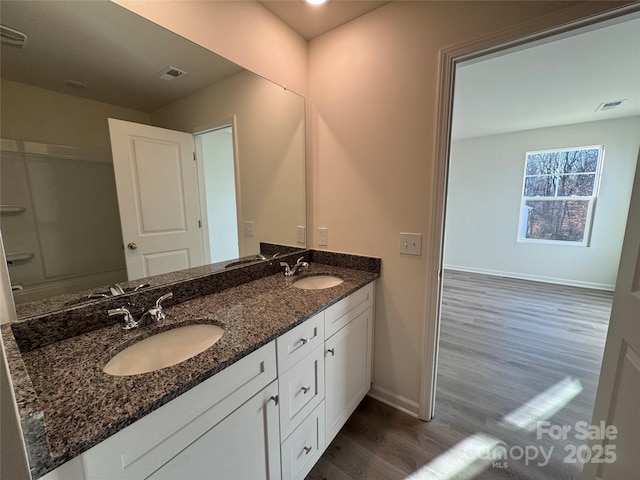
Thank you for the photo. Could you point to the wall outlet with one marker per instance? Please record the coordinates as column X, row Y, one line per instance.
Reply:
column 301, row 234
column 323, row 237
column 410, row 243
column 248, row 229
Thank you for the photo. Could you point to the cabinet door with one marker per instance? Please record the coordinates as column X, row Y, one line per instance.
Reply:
column 347, row 371
column 245, row 445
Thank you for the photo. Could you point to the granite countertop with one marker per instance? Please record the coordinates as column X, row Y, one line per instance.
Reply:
column 67, row 404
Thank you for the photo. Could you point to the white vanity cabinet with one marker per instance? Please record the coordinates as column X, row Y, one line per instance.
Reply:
column 348, row 355
column 228, row 423
column 228, row 451
column 270, row 415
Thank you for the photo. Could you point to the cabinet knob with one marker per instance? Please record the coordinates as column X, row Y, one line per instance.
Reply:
column 305, row 340
column 331, row 351
column 306, row 449
column 306, row 389
column 275, row 399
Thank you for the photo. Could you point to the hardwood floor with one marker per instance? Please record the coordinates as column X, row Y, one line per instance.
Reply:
column 511, row 351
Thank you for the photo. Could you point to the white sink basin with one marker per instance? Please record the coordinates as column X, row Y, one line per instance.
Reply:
column 318, row 282
column 164, row 349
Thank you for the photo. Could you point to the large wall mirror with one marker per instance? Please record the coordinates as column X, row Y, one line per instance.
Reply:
column 83, row 63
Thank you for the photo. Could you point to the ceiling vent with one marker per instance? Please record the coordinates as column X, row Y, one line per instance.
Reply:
column 609, row 105
column 170, row 73
column 12, row 37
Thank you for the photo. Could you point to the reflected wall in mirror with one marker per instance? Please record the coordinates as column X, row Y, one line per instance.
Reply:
column 85, row 62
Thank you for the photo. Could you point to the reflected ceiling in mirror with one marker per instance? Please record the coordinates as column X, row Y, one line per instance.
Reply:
column 85, row 62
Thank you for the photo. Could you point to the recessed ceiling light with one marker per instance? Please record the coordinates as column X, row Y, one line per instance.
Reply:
column 609, row 105
column 315, row 2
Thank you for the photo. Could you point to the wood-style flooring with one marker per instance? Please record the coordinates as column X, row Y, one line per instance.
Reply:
column 511, row 352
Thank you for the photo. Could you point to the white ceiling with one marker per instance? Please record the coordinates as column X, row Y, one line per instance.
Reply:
column 556, row 83
column 311, row 21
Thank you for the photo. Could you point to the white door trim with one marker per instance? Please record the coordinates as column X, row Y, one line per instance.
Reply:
column 231, row 120
column 523, row 34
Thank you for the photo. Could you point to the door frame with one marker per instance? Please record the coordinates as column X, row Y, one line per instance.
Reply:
column 229, row 121
column 519, row 35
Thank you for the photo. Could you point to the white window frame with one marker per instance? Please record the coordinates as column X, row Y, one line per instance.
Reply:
column 589, row 198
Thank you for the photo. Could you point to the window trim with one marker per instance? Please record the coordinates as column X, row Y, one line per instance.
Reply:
column 592, row 199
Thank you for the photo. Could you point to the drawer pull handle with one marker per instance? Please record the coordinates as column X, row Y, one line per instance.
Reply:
column 306, row 389
column 331, row 351
column 275, row 399
column 305, row 340
column 306, row 449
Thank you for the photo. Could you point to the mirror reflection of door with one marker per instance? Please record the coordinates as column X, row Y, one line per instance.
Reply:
column 158, row 198
column 219, row 200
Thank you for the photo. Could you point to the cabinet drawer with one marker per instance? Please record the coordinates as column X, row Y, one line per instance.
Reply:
column 138, row 450
column 298, row 342
column 301, row 390
column 341, row 313
column 304, row 447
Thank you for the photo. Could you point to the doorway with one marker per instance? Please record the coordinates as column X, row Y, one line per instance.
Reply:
column 452, row 59
column 215, row 151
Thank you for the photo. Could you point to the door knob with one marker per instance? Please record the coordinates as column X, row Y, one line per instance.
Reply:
column 132, row 246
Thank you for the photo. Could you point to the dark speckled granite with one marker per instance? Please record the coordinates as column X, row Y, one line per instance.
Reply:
column 40, row 330
column 67, row 404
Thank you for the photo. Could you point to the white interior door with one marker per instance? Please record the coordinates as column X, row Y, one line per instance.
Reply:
column 618, row 396
column 157, row 185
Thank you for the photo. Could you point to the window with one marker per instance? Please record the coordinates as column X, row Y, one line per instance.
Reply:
column 558, row 195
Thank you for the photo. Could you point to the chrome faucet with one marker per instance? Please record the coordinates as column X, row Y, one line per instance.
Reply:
column 156, row 313
column 289, row 271
column 260, row 256
column 129, row 321
column 116, row 289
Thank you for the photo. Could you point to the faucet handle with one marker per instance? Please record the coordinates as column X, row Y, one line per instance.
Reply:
column 163, row 298
column 287, row 269
column 129, row 321
column 157, row 312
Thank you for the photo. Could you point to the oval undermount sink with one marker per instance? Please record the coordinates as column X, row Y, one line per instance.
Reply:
column 164, row 349
column 318, row 282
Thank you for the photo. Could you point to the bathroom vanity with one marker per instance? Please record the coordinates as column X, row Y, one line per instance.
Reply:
column 262, row 402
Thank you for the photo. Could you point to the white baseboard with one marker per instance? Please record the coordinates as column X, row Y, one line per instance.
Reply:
column 394, row 400
column 535, row 278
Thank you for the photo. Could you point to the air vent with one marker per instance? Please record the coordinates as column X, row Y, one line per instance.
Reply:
column 170, row 73
column 609, row 105
column 12, row 37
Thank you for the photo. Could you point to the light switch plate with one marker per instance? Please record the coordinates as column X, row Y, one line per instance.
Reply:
column 301, row 234
column 323, row 237
column 411, row 243
column 248, row 229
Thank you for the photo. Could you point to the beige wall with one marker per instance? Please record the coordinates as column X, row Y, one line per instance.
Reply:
column 242, row 31
column 372, row 91
column 40, row 115
column 269, row 128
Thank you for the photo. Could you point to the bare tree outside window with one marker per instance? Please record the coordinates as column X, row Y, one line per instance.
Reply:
column 558, row 195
